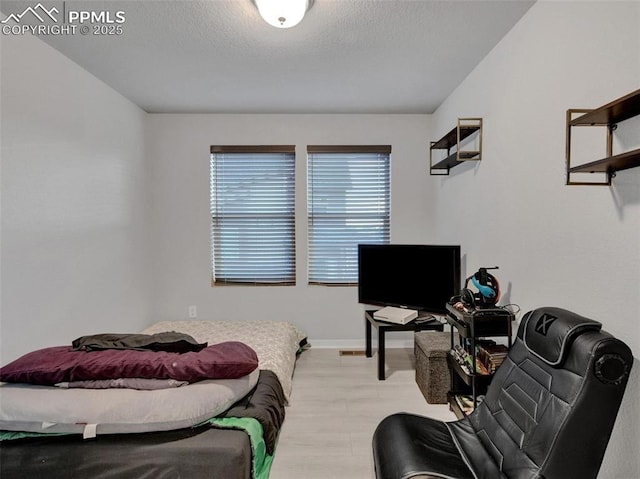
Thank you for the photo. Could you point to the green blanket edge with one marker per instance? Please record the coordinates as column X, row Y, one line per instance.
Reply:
column 11, row 435
column 261, row 460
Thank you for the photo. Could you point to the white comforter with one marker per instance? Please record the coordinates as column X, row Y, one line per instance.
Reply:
column 275, row 342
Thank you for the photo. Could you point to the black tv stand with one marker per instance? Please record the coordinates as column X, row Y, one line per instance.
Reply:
column 383, row 327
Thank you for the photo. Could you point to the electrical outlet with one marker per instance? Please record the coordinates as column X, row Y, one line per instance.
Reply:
column 193, row 312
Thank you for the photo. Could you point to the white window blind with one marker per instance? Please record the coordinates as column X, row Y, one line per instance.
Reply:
column 252, row 214
column 348, row 204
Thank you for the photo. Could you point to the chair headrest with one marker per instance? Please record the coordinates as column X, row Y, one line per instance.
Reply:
column 549, row 332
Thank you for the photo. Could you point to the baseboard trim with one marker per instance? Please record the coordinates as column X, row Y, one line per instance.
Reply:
column 359, row 344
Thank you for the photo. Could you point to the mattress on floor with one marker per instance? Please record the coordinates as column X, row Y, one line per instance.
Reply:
column 199, row 452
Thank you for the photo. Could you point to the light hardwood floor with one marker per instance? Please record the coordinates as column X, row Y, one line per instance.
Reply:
column 336, row 404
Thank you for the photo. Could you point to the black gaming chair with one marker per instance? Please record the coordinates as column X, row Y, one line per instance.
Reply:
column 548, row 413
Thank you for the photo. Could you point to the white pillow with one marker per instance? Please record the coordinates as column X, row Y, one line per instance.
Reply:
column 49, row 409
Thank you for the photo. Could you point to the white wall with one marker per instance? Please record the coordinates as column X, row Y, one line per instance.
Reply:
column 74, row 203
column 179, row 146
column 576, row 247
column 76, row 227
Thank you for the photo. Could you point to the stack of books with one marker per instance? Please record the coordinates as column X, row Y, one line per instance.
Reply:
column 491, row 356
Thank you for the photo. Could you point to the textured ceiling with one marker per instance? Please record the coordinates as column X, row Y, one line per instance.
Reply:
column 346, row 56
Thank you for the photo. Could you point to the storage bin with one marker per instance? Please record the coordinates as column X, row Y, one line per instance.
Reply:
column 432, row 372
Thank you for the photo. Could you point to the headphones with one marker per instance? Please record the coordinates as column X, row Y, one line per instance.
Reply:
column 488, row 288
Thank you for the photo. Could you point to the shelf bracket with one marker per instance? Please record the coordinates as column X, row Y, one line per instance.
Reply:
column 569, row 181
column 432, row 170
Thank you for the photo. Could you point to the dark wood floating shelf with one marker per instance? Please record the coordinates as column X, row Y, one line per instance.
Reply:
column 455, row 159
column 451, row 139
column 623, row 161
column 618, row 110
column 609, row 116
column 463, row 130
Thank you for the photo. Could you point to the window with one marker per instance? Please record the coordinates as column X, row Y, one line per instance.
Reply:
column 252, row 214
column 348, row 204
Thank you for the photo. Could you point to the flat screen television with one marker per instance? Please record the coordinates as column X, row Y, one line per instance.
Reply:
column 422, row 277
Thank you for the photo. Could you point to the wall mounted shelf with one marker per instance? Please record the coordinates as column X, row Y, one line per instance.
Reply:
column 453, row 140
column 608, row 116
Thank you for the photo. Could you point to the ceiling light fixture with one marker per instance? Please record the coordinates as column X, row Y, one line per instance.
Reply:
column 282, row 13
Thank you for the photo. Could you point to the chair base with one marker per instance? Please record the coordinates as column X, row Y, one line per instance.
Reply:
column 409, row 446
